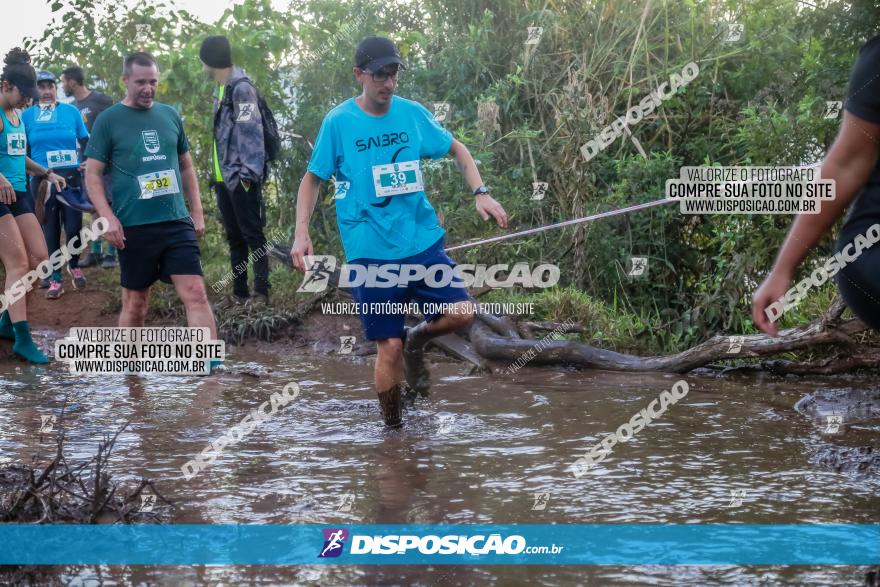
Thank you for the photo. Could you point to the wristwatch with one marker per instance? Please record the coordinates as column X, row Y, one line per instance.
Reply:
column 481, row 190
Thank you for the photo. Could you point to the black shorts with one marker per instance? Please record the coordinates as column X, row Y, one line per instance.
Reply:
column 158, row 251
column 23, row 204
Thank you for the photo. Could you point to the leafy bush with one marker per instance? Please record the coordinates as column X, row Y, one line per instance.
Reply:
column 524, row 111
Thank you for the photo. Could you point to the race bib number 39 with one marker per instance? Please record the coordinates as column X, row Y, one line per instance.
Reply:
column 16, row 143
column 67, row 158
column 160, row 183
column 398, row 178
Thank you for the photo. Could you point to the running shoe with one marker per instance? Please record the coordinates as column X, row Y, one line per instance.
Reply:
column 55, row 290
column 88, row 259
column 43, row 283
column 79, row 280
column 109, row 262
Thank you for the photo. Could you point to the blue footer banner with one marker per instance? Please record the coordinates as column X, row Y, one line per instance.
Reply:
column 415, row 544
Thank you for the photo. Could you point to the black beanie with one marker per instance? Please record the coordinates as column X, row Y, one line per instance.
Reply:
column 215, row 52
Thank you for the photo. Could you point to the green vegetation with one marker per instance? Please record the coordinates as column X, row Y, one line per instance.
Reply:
column 524, row 111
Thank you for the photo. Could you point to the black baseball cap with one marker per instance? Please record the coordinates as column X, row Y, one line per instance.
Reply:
column 374, row 53
column 22, row 77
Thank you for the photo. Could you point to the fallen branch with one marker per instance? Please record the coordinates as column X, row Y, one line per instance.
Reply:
column 493, row 338
column 81, row 494
column 527, row 329
column 501, row 325
column 854, row 359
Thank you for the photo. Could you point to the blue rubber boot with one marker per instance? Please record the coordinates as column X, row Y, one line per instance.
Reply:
column 24, row 345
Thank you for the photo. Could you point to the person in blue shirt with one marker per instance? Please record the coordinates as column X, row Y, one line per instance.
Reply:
column 22, row 246
column 54, row 132
column 372, row 145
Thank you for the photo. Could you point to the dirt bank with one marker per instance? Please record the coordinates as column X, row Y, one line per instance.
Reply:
column 50, row 318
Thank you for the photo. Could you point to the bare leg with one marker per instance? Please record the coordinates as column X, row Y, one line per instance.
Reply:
column 462, row 315
column 191, row 290
column 389, row 363
column 388, row 377
column 15, row 261
column 134, row 307
column 14, row 255
column 34, row 241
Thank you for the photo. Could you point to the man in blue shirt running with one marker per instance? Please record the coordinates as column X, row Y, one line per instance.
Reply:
column 372, row 145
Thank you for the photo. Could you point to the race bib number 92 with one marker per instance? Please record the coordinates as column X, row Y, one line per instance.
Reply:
column 160, row 183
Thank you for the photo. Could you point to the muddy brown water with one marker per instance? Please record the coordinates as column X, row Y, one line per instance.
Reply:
column 734, row 450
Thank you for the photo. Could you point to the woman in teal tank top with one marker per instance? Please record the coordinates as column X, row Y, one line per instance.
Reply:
column 22, row 246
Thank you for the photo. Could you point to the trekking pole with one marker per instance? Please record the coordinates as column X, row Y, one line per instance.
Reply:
column 572, row 222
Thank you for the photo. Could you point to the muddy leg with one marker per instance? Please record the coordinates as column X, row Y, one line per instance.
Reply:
column 417, row 375
column 391, row 404
column 388, row 375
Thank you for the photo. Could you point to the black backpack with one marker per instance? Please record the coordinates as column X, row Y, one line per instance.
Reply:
column 271, row 138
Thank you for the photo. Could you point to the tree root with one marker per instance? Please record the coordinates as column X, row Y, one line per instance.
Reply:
column 497, row 338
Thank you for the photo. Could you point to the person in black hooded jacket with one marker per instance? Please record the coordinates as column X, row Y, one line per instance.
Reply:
column 239, row 156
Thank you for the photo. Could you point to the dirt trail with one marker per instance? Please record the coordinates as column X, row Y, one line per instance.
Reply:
column 318, row 334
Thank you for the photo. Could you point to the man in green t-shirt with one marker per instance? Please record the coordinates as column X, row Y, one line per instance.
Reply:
column 144, row 144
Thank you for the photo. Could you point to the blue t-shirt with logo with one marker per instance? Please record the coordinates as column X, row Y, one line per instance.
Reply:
column 52, row 134
column 352, row 145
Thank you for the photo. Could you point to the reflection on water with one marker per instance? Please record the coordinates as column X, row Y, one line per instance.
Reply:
column 481, row 450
